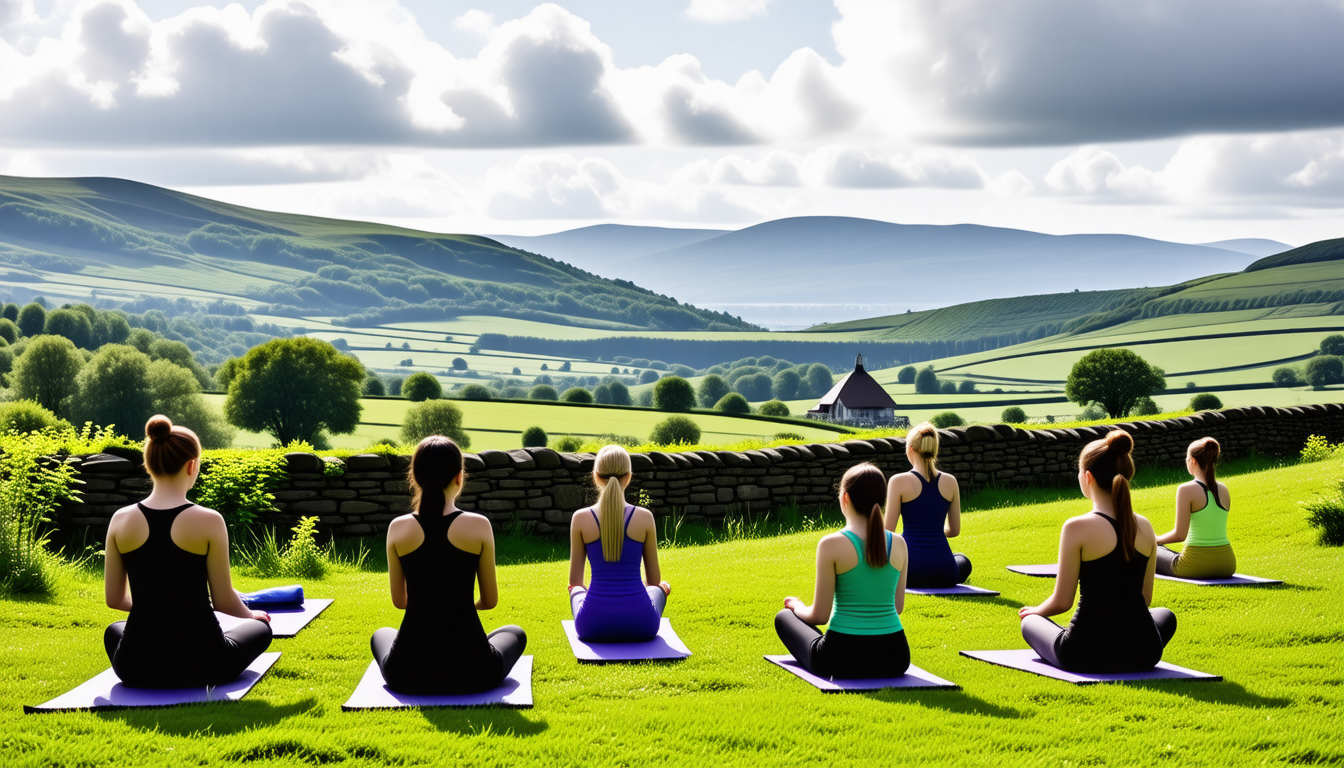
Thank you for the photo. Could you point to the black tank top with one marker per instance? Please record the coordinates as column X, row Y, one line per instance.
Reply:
column 172, row 623
column 1111, row 630
column 441, row 642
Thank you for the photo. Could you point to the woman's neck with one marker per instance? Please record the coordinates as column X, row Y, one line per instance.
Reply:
column 167, row 492
column 1101, row 502
column 856, row 524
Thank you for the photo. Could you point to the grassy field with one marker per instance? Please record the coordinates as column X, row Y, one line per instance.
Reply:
column 1279, row 650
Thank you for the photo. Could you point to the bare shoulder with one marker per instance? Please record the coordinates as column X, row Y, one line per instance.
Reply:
column 643, row 514
column 582, row 514
column 400, row 524
column 947, row 481
column 476, row 522
column 1144, row 524
column 1081, row 523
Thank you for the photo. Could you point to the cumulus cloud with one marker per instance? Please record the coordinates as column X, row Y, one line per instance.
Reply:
column 1064, row 72
column 719, row 11
column 476, row 21
column 843, row 166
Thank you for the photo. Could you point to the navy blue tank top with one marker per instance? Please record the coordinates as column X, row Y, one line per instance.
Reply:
column 931, row 564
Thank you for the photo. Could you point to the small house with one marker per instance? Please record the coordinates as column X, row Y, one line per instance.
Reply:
column 856, row 399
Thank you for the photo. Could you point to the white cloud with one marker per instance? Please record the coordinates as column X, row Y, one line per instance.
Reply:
column 1094, row 171
column 845, row 166
column 720, row 11
column 477, row 22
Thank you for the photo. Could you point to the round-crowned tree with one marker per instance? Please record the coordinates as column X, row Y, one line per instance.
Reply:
column 966, row 388
column 907, row 375
column 73, row 325
column 421, row 386
column 1115, row 378
column 1333, row 345
column 754, row 386
column 648, row 377
column 32, row 319
column 644, row 399
column 733, row 403
column 177, row 395
column 111, row 389
column 619, row 393
column 1286, row 377
column 773, row 408
column 1145, row 406
column 374, row 386
column 684, row 371
column 1205, row 401
column 1013, row 415
column 474, row 392
column 602, row 394
column 8, row 330
column 1320, row 372
column 947, row 387
column 673, row 393
column 947, row 419
column 534, row 437
column 26, row 416
column 294, row 389
column 45, row 372
column 459, row 364
column 675, row 430
column 393, row 385
column 786, row 384
column 577, row 395
column 543, row 392
column 926, row 381
column 433, row 417
column 10, row 311
column 712, row 389
column 819, row 380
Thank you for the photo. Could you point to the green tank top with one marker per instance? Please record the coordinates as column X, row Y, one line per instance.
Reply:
column 865, row 597
column 1208, row 526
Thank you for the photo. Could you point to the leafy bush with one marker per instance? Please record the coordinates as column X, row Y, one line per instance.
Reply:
column 27, row 416
column 1320, row 449
column 645, row 399
column 1322, row 371
column 1144, row 406
column 787, row 436
column 301, row 558
column 947, row 419
column 1325, row 513
column 673, row 393
column 475, row 392
column 1205, row 401
column 1286, row 377
column 619, row 393
column 755, row 386
column 434, row 417
column 786, row 384
column 459, row 364
column 675, row 430
column 534, row 437
column 819, row 380
column 773, row 408
column 1092, row 412
column 648, row 377
column 32, row 488
column 1013, row 415
column 684, row 371
column 926, row 382
column 568, row 443
column 1333, row 345
column 419, row 387
column 45, row 372
column 608, row 438
column 732, row 403
column 907, row 375
column 374, row 386
column 543, row 392
column 966, row 388
column 240, row 485
column 577, row 395
column 712, row 389
column 947, row 387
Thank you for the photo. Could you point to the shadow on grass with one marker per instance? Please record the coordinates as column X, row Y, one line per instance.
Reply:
column 947, row 701
column 1224, row 692
column 215, row 718
column 478, row 721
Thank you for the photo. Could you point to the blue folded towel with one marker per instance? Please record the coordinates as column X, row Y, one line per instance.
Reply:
column 276, row 597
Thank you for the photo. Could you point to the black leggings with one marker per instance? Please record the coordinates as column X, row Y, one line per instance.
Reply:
column 840, row 655
column 243, row 643
column 1041, row 633
column 963, row 567
column 509, row 642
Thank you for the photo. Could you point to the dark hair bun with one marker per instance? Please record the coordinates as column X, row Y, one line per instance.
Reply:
column 1119, row 440
column 158, row 427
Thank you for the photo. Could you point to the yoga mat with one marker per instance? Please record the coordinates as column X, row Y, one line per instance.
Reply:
column 914, row 677
column 285, row 622
column 1237, row 580
column 106, row 692
column 666, row 645
column 372, row 692
column 1050, row 570
column 957, row 591
column 1027, row 661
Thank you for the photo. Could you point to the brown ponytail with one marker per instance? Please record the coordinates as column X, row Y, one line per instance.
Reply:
column 436, row 462
column 168, row 448
column 1111, row 457
column 1205, row 453
column 867, row 489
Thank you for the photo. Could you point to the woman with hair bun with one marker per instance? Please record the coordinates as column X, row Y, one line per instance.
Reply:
column 1108, row 556
column 174, row 555
column 1202, row 506
column 860, row 592
column 436, row 556
column 931, row 504
column 614, row 537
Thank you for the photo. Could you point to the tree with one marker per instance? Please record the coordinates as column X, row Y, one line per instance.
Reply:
column 1114, row 378
column 32, row 319
column 1286, row 377
column 111, row 328
column 26, row 416
column 45, row 372
column 227, row 370
column 966, row 388
column 459, row 364
column 733, row 403
column 773, row 408
column 434, row 417
column 10, row 312
column 475, row 392
column 9, row 331
column 394, row 385
column 517, row 371
column 947, row 387
column 648, row 377
column 1333, row 345
column 1205, row 401
column 1145, row 406
column 179, row 354
column 947, row 419
column 819, row 379
column 926, row 382
column 177, row 395
column 420, row 386
column 373, row 386
column 645, row 399
column 1013, row 415
column 534, row 437
column 907, row 375
column 543, row 392
column 675, row 430
column 111, row 389
column 564, row 367
column 712, row 389
column 577, row 395
column 786, row 384
column 754, row 386
column 72, row 325
column 294, row 389
column 620, row 394
column 673, row 393
column 602, row 394
column 1321, row 371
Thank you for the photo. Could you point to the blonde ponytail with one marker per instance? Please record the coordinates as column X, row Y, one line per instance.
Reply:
column 612, row 464
column 923, row 440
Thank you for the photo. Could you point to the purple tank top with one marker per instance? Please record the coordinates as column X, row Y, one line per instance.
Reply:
column 616, row 607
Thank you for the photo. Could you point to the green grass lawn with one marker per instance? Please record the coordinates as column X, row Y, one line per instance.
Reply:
column 1280, row 651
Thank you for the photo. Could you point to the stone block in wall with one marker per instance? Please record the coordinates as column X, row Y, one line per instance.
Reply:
column 107, row 464
column 556, row 517
column 640, row 463
column 93, row 484
column 472, row 463
column 859, row 448
column 496, row 505
column 733, row 459
column 569, row 496
column 367, row 462
column 703, row 498
column 472, row 487
column 504, row 495
column 299, row 461
column 752, row 492
column 757, row 458
column 339, row 493
column 495, row 459
column 544, row 458
column 319, row 506
column 295, row 495
column 709, row 459
column 359, row 508
column 522, row 459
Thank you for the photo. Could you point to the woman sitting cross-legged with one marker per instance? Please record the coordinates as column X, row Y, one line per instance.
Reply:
column 435, row 558
column 860, row 591
column 175, row 556
column 1202, row 506
column 614, row 538
column 930, row 503
column 1107, row 555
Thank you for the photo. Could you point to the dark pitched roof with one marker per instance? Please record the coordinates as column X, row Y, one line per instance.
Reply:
column 858, row 390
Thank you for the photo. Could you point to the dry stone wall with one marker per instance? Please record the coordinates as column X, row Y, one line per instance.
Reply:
column 541, row 488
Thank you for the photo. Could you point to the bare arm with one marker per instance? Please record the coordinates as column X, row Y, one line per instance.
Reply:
column 899, row 558
column 578, row 553
column 222, row 593
column 115, row 589
column 396, row 577
column 1066, row 582
column 485, row 571
column 1145, row 532
column 653, row 575
column 1182, row 519
column 953, row 527
column 820, row 610
column 893, row 508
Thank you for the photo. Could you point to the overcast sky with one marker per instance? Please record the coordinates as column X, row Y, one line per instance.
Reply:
column 1186, row 120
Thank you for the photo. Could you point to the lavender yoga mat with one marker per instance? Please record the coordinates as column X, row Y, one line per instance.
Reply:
column 666, row 645
column 957, row 591
column 914, row 677
column 373, row 693
column 1027, row 661
column 1237, row 579
column 1051, row 570
column 106, row 692
column 285, row 622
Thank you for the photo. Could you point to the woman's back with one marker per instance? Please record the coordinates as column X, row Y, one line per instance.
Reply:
column 1111, row 629
column 864, row 602
column 923, row 520
column 1208, row 526
column 616, row 606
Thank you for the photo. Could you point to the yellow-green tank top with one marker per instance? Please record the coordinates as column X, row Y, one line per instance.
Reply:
column 1208, row 526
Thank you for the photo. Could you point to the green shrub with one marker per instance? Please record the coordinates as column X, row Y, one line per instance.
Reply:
column 534, row 437
column 568, row 444
column 240, row 485
column 773, row 408
column 1325, row 513
column 712, row 389
column 907, row 375
column 434, row 417
column 732, row 403
column 645, row 399
column 626, row 441
column 675, row 430
column 374, row 386
column 787, row 436
column 1013, row 415
column 1286, row 377
column 1144, row 406
column 926, row 382
column 9, row 331
column 648, row 377
column 1205, row 401
column 1320, row 449
column 1092, row 412
column 302, row 558
column 786, row 384
column 947, row 419
column 32, row 488
column 543, row 392
column 673, row 393
column 577, row 395
column 819, row 380
column 475, row 392
column 1324, row 370
column 966, row 388
column 419, row 387
column 947, row 387
column 27, row 416
column 1333, row 345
